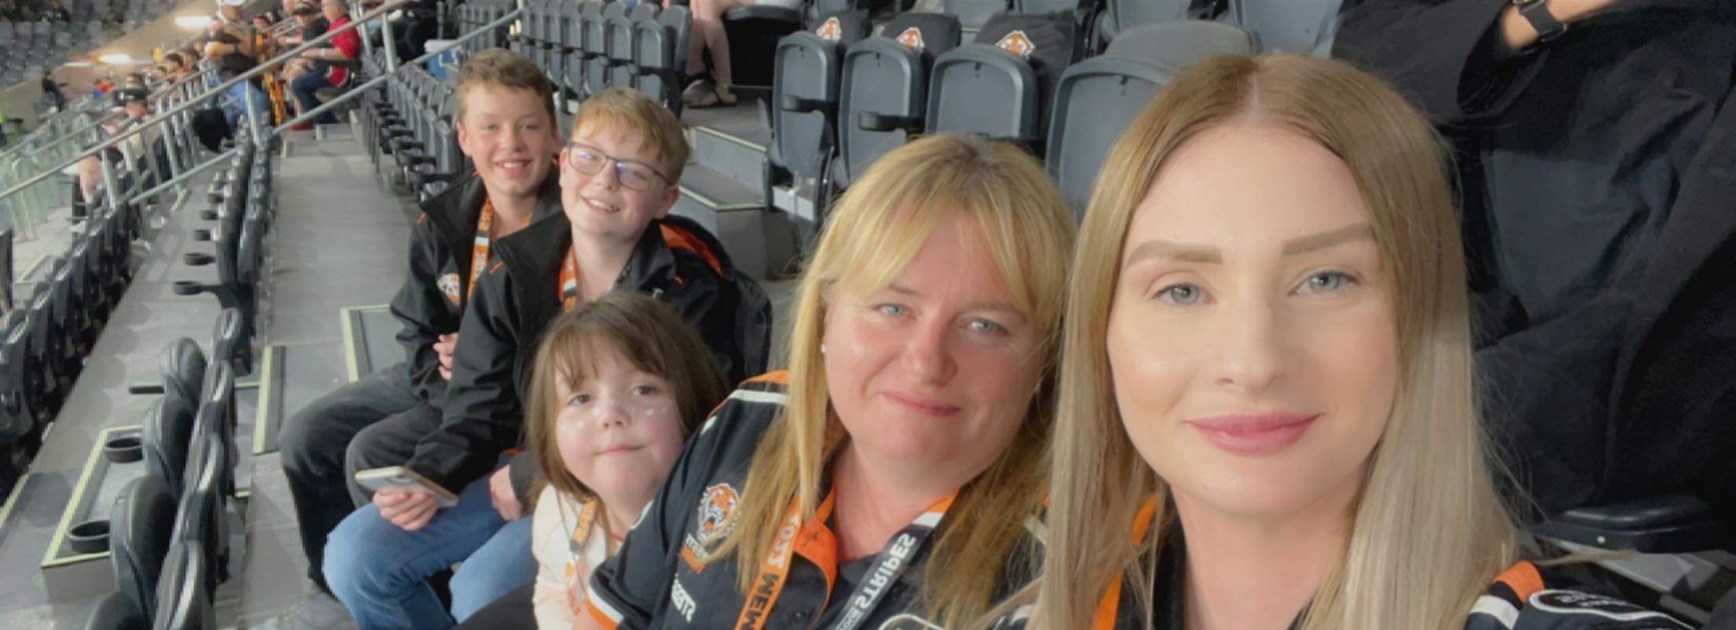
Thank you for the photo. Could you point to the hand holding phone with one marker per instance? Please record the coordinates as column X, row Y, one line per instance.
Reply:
column 401, row 479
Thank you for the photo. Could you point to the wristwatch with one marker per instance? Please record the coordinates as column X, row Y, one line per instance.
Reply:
column 1537, row 13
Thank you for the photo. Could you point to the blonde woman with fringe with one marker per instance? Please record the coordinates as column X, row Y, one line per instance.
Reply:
column 1267, row 416
column 886, row 479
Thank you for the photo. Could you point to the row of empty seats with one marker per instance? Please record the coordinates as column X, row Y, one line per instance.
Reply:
column 587, row 46
column 169, row 538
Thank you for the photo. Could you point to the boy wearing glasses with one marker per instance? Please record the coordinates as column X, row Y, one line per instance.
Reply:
column 618, row 177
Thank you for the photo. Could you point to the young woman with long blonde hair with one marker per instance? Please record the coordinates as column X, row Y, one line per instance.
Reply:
column 1267, row 414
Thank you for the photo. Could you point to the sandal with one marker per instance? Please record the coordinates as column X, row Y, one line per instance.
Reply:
column 714, row 98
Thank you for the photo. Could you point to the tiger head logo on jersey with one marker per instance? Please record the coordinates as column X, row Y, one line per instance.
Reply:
column 448, row 285
column 912, row 38
column 830, row 30
column 712, row 525
column 1018, row 43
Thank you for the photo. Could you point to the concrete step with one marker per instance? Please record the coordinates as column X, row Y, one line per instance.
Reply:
column 760, row 242
column 740, row 159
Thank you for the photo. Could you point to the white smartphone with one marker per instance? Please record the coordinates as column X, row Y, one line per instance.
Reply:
column 404, row 479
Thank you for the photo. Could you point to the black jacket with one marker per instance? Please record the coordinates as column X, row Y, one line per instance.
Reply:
column 1597, row 192
column 517, row 299
column 431, row 302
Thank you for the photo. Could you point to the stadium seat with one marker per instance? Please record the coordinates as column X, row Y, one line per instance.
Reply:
column 973, row 14
column 143, row 521
column 623, row 45
column 1098, row 98
column 1289, row 26
column 754, row 34
column 579, row 34
column 884, row 95
column 661, row 54
column 115, row 611
column 183, row 591
column 1668, row 524
column 999, row 85
column 597, row 46
column 1122, row 15
column 805, row 95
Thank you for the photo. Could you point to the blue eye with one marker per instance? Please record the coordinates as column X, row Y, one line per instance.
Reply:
column 986, row 327
column 1329, row 281
column 891, row 310
column 1181, row 294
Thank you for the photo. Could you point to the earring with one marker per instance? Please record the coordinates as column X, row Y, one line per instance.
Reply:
column 822, row 348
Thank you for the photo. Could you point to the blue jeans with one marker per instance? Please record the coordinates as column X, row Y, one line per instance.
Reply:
column 503, row 564
column 380, row 572
column 306, row 89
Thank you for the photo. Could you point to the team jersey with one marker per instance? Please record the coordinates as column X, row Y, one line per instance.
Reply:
column 666, row 576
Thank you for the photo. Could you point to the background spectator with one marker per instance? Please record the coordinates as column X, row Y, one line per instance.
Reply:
column 708, row 34
column 345, row 47
column 1573, row 144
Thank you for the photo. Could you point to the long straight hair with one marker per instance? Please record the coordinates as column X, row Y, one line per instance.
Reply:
column 874, row 231
column 1430, row 529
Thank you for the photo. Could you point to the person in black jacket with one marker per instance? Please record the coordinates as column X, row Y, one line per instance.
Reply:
column 618, row 183
column 1583, row 129
column 506, row 126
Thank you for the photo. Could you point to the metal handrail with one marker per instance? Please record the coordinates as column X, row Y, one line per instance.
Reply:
column 214, row 91
column 353, row 93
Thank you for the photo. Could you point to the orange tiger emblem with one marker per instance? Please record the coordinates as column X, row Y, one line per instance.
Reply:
column 912, row 38
column 830, row 30
column 1018, row 43
column 714, row 510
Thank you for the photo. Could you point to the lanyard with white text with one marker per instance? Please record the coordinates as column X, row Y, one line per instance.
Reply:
column 876, row 582
column 479, row 251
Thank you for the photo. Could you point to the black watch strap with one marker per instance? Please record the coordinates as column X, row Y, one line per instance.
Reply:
column 1537, row 13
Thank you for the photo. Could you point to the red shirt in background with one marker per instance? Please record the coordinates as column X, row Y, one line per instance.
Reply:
column 348, row 42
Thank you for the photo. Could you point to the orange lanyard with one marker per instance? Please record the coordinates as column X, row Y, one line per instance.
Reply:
column 479, row 252
column 569, row 281
column 1109, row 607
column 816, row 542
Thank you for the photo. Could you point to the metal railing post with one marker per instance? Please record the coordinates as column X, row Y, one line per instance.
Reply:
column 391, row 47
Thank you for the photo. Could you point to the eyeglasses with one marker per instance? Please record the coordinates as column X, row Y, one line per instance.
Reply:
column 590, row 160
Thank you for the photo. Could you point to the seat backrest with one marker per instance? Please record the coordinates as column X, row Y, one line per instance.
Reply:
column 1289, row 26
column 183, row 368
column 143, row 520
column 597, row 47
column 661, row 46
column 115, row 611
column 887, row 76
column 999, row 84
column 623, row 44
column 973, row 14
column 183, row 592
column 808, row 66
column 167, row 434
column 1126, row 14
column 1097, row 99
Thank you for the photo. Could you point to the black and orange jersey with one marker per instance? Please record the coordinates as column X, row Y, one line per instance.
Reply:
column 666, row 576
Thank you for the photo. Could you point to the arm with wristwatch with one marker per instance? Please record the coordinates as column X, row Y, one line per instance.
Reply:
column 1527, row 22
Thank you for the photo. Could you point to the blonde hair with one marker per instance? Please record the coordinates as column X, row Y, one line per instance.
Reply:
column 643, row 332
column 622, row 109
column 1430, row 530
column 873, row 233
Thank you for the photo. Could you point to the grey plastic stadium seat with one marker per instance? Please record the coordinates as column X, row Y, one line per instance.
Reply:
column 1097, row 99
column 579, row 36
column 1121, row 15
column 597, row 44
column 805, row 92
column 884, row 95
column 661, row 53
column 1291, row 26
column 561, row 39
column 143, row 521
column 115, row 611
column 973, row 14
column 998, row 85
column 183, row 594
column 623, row 44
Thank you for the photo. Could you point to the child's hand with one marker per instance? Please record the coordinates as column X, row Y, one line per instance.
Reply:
column 500, row 492
column 443, row 349
column 409, row 510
